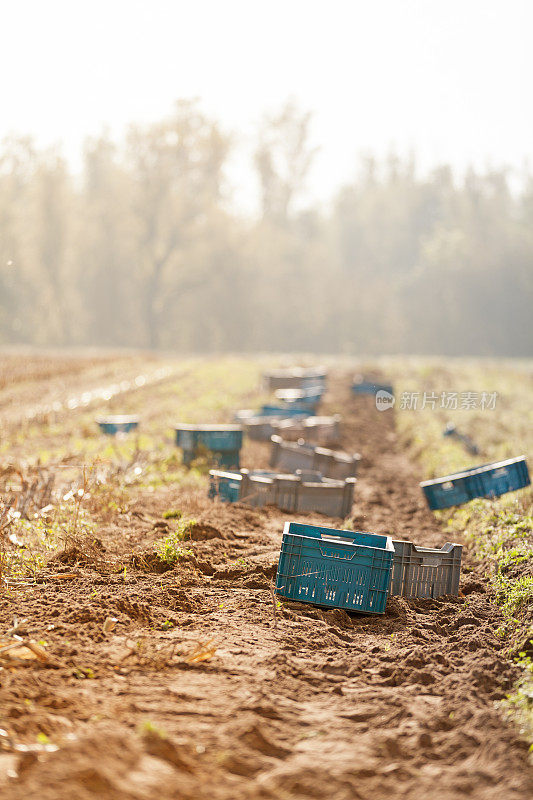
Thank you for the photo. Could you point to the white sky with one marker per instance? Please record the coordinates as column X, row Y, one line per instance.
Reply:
column 450, row 79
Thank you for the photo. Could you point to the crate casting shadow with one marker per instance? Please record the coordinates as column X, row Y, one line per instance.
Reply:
column 335, row 568
column 301, row 492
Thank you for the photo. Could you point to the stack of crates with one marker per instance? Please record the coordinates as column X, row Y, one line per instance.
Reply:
column 220, row 444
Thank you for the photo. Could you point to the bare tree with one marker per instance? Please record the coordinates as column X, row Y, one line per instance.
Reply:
column 283, row 159
column 177, row 171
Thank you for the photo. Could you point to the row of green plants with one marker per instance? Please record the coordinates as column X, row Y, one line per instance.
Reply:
column 499, row 532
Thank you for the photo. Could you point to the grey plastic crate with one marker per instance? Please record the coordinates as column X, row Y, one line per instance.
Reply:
column 294, row 378
column 424, row 571
column 258, row 428
column 291, row 456
column 299, row 493
column 309, row 398
column 313, row 430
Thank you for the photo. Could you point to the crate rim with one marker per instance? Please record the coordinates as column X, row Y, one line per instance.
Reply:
column 322, row 419
column 208, row 428
column 302, row 445
column 261, row 418
column 389, row 546
column 333, row 483
column 117, row 419
column 225, row 473
column 296, row 372
column 298, row 394
column 446, row 547
column 339, row 454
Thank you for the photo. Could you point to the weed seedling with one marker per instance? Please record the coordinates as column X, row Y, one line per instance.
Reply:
column 148, row 728
column 170, row 549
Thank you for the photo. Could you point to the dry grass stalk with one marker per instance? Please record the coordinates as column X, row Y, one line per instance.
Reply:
column 274, row 604
column 202, row 651
column 20, row 652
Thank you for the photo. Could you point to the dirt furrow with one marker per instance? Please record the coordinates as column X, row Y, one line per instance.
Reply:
column 297, row 702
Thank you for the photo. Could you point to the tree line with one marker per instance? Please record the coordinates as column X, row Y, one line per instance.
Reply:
column 144, row 248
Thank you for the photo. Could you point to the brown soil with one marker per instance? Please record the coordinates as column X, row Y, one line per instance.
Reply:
column 297, row 703
column 45, row 391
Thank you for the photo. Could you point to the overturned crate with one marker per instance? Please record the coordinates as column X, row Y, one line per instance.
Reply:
column 221, row 444
column 313, row 430
column 294, row 378
column 117, row 424
column 291, row 456
column 299, row 493
column 335, row 568
column 424, row 571
column 488, row 480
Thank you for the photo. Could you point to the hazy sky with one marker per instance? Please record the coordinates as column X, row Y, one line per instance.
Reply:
column 450, row 79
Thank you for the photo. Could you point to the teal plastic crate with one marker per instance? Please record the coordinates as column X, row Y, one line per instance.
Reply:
column 117, row 423
column 285, row 410
column 335, row 568
column 224, row 459
column 225, row 486
column 488, row 480
column 220, row 444
column 215, row 438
